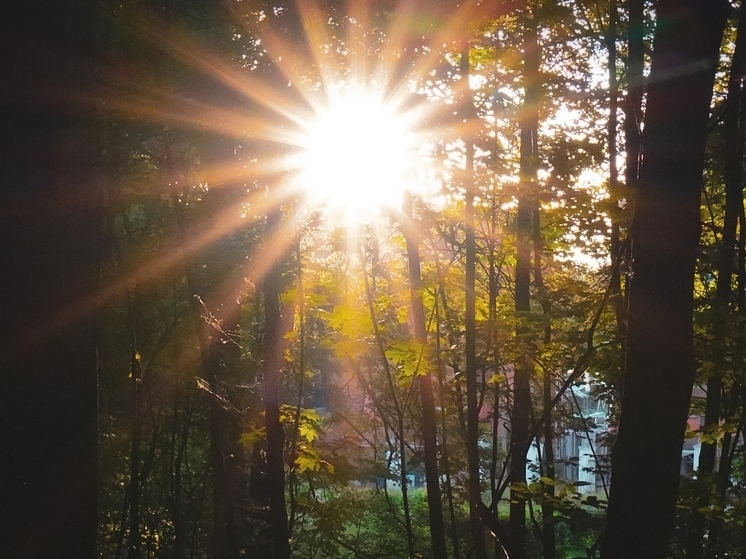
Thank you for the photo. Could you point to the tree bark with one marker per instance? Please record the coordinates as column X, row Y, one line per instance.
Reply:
column 615, row 241
column 635, row 88
column 733, row 207
column 429, row 422
column 134, row 489
column 524, row 231
column 660, row 357
column 548, row 533
column 470, row 342
column 273, row 370
column 50, row 232
column 441, row 301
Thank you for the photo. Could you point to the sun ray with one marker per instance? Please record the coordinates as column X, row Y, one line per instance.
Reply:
column 148, row 272
column 160, row 106
column 275, row 247
column 359, row 17
column 450, row 33
column 187, row 50
column 318, row 41
column 294, row 65
column 221, row 174
column 230, row 294
column 297, row 68
column 228, row 221
column 435, row 120
column 291, row 115
column 454, row 129
column 396, row 38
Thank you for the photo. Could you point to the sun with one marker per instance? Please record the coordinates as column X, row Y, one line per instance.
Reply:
column 351, row 128
column 360, row 154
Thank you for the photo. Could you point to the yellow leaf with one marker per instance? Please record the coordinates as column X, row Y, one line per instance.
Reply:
column 308, row 432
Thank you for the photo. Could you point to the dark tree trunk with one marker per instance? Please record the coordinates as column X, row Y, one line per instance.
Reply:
column 227, row 463
column 722, row 479
column 635, row 88
column 613, row 98
column 616, row 242
column 441, row 302
column 660, row 357
column 429, row 421
column 470, row 342
column 519, row 425
column 548, row 533
column 50, row 231
column 733, row 207
column 632, row 107
column 273, row 360
column 134, row 543
column 524, row 232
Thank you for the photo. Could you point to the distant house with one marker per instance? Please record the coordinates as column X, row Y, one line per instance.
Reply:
column 582, row 454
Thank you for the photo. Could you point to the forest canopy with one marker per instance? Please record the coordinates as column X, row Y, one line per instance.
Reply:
column 357, row 279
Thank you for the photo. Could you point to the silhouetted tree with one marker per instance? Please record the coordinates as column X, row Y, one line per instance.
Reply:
column 49, row 243
column 665, row 232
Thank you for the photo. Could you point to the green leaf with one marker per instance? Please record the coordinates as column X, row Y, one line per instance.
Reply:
column 252, row 437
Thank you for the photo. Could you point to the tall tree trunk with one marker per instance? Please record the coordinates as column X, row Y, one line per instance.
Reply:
column 613, row 100
column 224, row 469
column 616, row 243
column 273, row 370
column 134, row 542
column 50, row 232
column 524, row 232
column 441, row 301
column 632, row 107
column 496, row 459
column 429, row 422
column 733, row 207
column 548, row 534
column 635, row 89
column 660, row 358
column 293, row 484
column 472, row 412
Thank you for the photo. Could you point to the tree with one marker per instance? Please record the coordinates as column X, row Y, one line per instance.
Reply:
column 273, row 365
column 665, row 232
column 527, row 212
column 49, row 250
column 429, row 422
column 733, row 165
column 470, row 343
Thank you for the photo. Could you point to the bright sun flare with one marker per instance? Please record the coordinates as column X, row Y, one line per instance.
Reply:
column 359, row 156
